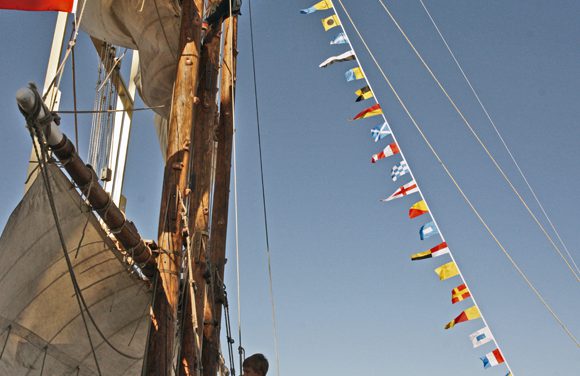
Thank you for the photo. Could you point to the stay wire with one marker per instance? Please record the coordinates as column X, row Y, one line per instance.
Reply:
column 236, row 227
column 74, row 87
column 72, row 41
column 264, row 194
column 480, row 141
column 456, row 184
column 492, row 122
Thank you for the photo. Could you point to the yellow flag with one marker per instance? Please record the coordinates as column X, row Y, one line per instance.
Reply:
column 330, row 22
column 447, row 271
column 323, row 5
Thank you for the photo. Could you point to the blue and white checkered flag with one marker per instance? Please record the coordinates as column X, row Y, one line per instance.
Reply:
column 399, row 170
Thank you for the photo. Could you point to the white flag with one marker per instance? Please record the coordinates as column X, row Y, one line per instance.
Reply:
column 481, row 337
column 349, row 55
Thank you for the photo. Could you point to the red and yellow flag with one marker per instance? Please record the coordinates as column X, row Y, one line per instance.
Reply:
column 40, row 5
column 368, row 112
column 471, row 313
column 419, row 208
column 459, row 293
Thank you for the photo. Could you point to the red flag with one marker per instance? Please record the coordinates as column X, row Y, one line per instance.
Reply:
column 54, row 5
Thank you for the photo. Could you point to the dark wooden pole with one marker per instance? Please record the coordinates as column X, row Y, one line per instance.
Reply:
column 219, row 221
column 203, row 140
column 159, row 357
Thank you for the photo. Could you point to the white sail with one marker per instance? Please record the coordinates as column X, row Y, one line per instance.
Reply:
column 152, row 27
column 40, row 322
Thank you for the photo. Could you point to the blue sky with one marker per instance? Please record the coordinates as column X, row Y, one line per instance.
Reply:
column 348, row 298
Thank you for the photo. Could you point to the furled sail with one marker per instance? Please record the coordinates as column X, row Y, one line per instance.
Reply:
column 152, row 27
column 41, row 328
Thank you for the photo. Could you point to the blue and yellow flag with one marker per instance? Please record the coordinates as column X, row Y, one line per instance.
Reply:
column 354, row 74
column 322, row 5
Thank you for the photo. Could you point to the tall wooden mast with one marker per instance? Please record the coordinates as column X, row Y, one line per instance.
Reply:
column 219, row 220
column 203, row 141
column 159, row 357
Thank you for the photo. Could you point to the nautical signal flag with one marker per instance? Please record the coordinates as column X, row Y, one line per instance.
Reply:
column 391, row 149
column 354, row 74
column 380, row 131
column 480, row 337
column 428, row 230
column 418, row 208
column 471, row 313
column 363, row 93
column 330, row 22
column 399, row 170
column 447, row 271
column 492, row 359
column 40, row 5
column 436, row 251
column 369, row 112
column 348, row 55
column 341, row 38
column 404, row 190
column 322, row 5
column 459, row 293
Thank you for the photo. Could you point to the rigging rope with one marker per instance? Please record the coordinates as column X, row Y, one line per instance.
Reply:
column 480, row 141
column 450, row 175
column 42, row 158
column 74, row 87
column 499, row 135
column 236, row 227
column 45, row 178
column 275, row 329
column 72, row 41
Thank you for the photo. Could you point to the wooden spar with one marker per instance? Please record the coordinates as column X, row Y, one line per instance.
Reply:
column 203, row 139
column 159, row 357
column 219, row 220
column 86, row 179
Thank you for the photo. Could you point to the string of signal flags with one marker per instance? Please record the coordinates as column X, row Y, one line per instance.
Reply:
column 400, row 170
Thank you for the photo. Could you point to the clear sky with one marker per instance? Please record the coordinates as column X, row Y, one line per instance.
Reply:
column 348, row 299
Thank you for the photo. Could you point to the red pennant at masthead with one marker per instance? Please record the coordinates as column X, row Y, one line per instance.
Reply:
column 40, row 5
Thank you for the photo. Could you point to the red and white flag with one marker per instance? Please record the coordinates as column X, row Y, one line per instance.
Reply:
column 405, row 190
column 40, row 5
column 391, row 149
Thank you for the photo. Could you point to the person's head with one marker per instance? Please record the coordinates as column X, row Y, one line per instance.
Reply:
column 255, row 365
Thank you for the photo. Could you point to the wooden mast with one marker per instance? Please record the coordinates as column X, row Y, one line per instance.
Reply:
column 159, row 357
column 219, row 220
column 203, row 140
